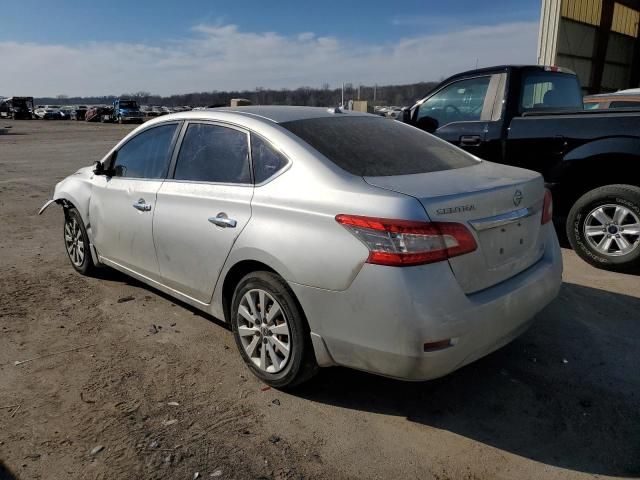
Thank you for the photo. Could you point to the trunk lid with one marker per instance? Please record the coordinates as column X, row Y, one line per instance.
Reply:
column 500, row 205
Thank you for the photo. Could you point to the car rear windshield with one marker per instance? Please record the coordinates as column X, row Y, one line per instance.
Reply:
column 372, row 146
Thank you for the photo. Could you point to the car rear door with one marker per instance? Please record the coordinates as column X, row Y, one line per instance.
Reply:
column 467, row 114
column 122, row 205
column 202, row 207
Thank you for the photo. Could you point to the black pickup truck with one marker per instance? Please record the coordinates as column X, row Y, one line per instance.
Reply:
column 533, row 117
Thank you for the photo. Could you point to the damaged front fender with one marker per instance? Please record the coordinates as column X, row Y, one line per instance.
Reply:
column 46, row 205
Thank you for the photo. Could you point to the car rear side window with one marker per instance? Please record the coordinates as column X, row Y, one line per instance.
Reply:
column 146, row 155
column 373, row 146
column 212, row 153
column 267, row 161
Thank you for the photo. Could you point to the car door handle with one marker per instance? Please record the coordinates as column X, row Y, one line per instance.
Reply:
column 223, row 221
column 470, row 140
column 142, row 205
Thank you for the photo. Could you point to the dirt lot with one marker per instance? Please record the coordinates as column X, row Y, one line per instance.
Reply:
column 562, row 401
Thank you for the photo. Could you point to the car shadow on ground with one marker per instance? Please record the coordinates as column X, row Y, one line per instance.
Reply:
column 5, row 473
column 112, row 275
column 564, row 394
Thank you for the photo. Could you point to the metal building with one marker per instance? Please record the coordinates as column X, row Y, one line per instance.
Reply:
column 598, row 39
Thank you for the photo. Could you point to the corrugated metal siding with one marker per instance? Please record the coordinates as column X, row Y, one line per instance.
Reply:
column 548, row 32
column 585, row 11
column 625, row 20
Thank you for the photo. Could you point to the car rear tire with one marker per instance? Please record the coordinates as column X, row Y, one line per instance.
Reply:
column 604, row 227
column 271, row 331
column 76, row 242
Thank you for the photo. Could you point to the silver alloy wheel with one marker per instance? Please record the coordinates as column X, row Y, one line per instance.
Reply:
column 264, row 331
column 73, row 241
column 612, row 230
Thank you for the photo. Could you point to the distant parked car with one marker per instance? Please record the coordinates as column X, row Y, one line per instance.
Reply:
column 79, row 112
column 159, row 111
column 48, row 112
column 17, row 108
column 99, row 113
column 622, row 99
column 323, row 237
column 66, row 112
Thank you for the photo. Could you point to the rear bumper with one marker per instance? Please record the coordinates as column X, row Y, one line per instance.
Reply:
column 381, row 323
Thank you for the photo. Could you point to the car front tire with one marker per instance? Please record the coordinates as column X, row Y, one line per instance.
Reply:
column 271, row 331
column 76, row 242
column 603, row 227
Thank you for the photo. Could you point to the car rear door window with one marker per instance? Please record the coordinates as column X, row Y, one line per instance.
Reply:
column 147, row 154
column 267, row 161
column 213, row 153
column 374, row 146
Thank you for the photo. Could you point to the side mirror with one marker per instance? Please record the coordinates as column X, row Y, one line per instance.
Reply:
column 99, row 168
column 405, row 115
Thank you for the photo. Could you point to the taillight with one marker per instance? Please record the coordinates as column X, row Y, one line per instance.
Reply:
column 547, row 207
column 404, row 243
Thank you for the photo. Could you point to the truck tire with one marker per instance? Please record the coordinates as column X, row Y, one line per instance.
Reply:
column 603, row 227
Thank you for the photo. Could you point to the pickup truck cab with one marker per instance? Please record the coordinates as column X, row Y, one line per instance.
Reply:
column 533, row 117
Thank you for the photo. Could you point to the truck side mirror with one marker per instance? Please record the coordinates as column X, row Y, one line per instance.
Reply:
column 428, row 124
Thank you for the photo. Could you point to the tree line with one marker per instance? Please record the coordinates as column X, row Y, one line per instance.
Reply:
column 400, row 95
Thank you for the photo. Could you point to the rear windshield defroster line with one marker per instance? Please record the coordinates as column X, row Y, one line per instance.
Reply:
column 372, row 147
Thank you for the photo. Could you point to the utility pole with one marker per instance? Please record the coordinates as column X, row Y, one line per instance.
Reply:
column 342, row 104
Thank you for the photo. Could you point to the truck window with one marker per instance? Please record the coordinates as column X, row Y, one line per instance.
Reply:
column 458, row 102
column 550, row 90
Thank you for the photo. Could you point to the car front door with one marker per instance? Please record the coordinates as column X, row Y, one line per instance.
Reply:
column 203, row 207
column 466, row 113
column 123, row 203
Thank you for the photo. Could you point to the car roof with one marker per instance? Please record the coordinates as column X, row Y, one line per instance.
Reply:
column 282, row 114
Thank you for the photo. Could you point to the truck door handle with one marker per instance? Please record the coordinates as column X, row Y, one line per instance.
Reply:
column 470, row 140
column 142, row 205
column 221, row 220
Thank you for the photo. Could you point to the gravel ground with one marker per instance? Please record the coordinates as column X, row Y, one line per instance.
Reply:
column 159, row 391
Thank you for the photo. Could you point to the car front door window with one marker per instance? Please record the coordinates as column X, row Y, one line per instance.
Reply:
column 123, row 204
column 145, row 155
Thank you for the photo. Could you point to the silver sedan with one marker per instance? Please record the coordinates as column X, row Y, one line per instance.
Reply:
column 323, row 237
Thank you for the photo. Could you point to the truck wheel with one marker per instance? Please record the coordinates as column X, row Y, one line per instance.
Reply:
column 604, row 227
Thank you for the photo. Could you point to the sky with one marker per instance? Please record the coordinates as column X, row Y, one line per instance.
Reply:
column 82, row 48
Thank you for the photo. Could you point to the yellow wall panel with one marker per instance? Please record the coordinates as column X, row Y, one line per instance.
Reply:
column 585, row 11
column 625, row 20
